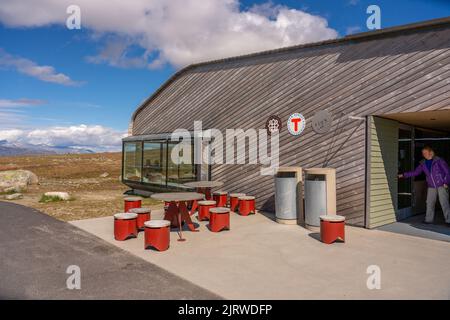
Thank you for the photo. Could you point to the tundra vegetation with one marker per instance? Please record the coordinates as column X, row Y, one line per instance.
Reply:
column 92, row 192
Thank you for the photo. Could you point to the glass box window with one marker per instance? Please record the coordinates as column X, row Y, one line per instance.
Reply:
column 153, row 159
column 177, row 174
column 132, row 161
column 154, row 168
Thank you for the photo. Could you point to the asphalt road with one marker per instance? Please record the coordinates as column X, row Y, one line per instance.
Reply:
column 36, row 250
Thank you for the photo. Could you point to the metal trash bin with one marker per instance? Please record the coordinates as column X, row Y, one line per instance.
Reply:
column 288, row 195
column 320, row 194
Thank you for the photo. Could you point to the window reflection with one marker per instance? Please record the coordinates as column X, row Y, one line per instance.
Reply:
column 154, row 157
column 132, row 161
column 154, row 163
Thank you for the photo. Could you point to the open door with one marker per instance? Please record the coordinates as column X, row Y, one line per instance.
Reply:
column 382, row 169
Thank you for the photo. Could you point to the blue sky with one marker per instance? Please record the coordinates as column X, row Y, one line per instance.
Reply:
column 54, row 77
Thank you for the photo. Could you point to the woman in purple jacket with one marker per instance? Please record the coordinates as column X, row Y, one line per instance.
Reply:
column 438, row 179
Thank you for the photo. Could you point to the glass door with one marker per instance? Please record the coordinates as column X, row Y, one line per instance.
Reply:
column 405, row 163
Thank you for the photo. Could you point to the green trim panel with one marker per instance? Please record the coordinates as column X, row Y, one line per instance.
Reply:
column 382, row 175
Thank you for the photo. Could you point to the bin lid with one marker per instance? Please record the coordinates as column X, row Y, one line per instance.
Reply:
column 132, row 198
column 219, row 210
column 332, row 218
column 247, row 198
column 220, row 192
column 141, row 210
column 125, row 216
column 237, row 195
column 206, row 203
column 157, row 223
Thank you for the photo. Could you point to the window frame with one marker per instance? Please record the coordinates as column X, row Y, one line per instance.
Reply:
column 164, row 143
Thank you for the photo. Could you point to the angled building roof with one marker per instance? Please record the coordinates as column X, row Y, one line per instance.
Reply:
column 364, row 36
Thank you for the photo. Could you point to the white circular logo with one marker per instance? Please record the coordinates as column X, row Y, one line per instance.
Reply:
column 296, row 124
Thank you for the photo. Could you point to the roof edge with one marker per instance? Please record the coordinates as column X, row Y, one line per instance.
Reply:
column 428, row 24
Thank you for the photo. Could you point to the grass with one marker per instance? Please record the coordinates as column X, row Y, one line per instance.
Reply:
column 80, row 176
column 47, row 199
column 8, row 192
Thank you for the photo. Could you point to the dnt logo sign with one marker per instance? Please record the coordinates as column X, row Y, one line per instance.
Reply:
column 296, row 124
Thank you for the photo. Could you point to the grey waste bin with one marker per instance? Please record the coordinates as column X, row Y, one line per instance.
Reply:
column 288, row 196
column 315, row 198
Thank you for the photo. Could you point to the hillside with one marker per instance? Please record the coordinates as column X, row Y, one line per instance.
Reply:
column 17, row 149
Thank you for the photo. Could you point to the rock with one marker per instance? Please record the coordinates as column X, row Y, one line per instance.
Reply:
column 104, row 175
column 17, row 179
column 14, row 196
column 15, row 189
column 57, row 194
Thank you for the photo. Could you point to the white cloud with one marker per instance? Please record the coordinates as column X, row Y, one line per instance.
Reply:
column 178, row 32
column 30, row 68
column 95, row 137
column 23, row 102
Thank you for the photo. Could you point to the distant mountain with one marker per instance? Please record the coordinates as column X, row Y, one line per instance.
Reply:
column 15, row 149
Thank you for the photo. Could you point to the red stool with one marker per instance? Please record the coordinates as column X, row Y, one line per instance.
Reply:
column 220, row 197
column 157, row 234
column 143, row 214
column 246, row 205
column 203, row 209
column 332, row 228
column 219, row 219
column 132, row 202
column 125, row 226
column 234, row 200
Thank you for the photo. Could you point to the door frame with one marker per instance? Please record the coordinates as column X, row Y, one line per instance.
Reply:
column 407, row 212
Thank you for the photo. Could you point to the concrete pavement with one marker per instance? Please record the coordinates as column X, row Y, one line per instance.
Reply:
column 260, row 259
column 35, row 251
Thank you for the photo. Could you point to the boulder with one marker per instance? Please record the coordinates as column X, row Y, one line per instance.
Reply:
column 15, row 189
column 17, row 179
column 57, row 194
column 14, row 196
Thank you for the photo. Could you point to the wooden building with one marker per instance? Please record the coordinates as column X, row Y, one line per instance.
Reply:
column 388, row 92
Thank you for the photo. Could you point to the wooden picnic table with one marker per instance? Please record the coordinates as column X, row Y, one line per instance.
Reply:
column 203, row 187
column 177, row 211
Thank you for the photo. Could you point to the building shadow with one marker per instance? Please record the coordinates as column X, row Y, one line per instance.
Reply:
column 414, row 226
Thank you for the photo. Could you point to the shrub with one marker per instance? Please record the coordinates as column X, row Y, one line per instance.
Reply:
column 48, row 199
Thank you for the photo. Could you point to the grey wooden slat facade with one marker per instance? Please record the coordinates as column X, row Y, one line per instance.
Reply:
column 403, row 70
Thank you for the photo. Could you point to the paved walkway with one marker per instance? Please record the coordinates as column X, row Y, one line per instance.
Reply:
column 261, row 259
column 414, row 226
column 35, row 251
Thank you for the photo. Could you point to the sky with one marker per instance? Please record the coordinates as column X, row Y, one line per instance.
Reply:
column 79, row 87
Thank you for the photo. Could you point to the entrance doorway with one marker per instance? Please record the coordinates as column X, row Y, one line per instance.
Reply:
column 412, row 192
column 394, row 146
column 415, row 131
column 405, row 188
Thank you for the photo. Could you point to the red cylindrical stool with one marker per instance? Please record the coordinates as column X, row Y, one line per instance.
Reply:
column 219, row 219
column 220, row 197
column 144, row 214
column 132, row 202
column 125, row 226
column 157, row 234
column 332, row 228
column 246, row 205
column 234, row 200
column 203, row 209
